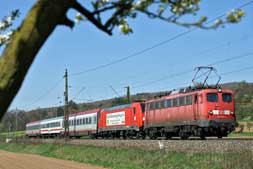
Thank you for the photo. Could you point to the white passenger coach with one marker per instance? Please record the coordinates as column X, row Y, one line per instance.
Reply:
column 80, row 124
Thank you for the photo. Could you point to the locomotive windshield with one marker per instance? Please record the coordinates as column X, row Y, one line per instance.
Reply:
column 227, row 97
column 212, row 97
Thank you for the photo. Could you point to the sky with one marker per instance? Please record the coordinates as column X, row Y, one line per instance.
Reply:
column 85, row 47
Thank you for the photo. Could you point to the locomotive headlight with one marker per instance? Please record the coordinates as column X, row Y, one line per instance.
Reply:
column 210, row 112
column 231, row 112
column 216, row 112
column 226, row 112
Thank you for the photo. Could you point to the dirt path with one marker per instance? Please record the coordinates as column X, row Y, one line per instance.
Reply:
column 10, row 160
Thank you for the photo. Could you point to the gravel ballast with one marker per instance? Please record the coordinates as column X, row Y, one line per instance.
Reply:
column 165, row 145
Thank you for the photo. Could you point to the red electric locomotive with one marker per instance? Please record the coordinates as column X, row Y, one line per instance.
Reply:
column 205, row 112
column 122, row 121
column 202, row 111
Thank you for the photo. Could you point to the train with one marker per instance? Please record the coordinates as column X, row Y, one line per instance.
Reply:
column 184, row 113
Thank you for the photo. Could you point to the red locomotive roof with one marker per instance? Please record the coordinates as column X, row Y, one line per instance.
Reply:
column 33, row 122
column 192, row 92
column 85, row 112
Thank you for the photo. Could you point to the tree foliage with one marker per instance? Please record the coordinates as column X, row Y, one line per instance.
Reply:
column 46, row 15
column 5, row 24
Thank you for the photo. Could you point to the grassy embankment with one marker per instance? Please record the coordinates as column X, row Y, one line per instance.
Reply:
column 244, row 134
column 12, row 134
column 136, row 159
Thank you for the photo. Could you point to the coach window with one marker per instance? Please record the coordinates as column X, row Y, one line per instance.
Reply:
column 89, row 120
column 175, row 102
column 86, row 121
column 168, row 103
column 212, row 97
column 163, row 104
column 188, row 100
column 152, row 106
column 181, row 101
column 157, row 105
column 95, row 120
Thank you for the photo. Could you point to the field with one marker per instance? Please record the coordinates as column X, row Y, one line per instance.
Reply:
column 244, row 134
column 135, row 158
column 12, row 134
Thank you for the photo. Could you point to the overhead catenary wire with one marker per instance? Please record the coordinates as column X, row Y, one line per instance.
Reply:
column 191, row 70
column 44, row 94
column 188, row 83
column 231, row 58
column 154, row 46
column 114, row 91
column 238, row 70
column 153, row 81
column 224, row 74
column 205, row 51
column 78, row 93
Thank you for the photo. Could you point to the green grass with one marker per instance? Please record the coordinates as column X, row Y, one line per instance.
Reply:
column 12, row 134
column 244, row 134
column 136, row 159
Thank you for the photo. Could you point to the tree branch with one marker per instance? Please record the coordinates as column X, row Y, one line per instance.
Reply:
column 117, row 13
column 103, row 10
column 77, row 6
column 19, row 54
column 67, row 22
column 175, row 20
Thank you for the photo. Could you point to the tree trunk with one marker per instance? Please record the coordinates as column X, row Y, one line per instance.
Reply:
column 19, row 54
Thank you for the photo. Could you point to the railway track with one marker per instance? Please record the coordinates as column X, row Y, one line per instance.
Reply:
column 192, row 145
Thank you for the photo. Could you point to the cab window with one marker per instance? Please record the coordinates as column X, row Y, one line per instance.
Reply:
column 212, row 97
column 226, row 97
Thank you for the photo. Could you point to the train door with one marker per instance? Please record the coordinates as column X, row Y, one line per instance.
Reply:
column 197, row 102
column 74, row 129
